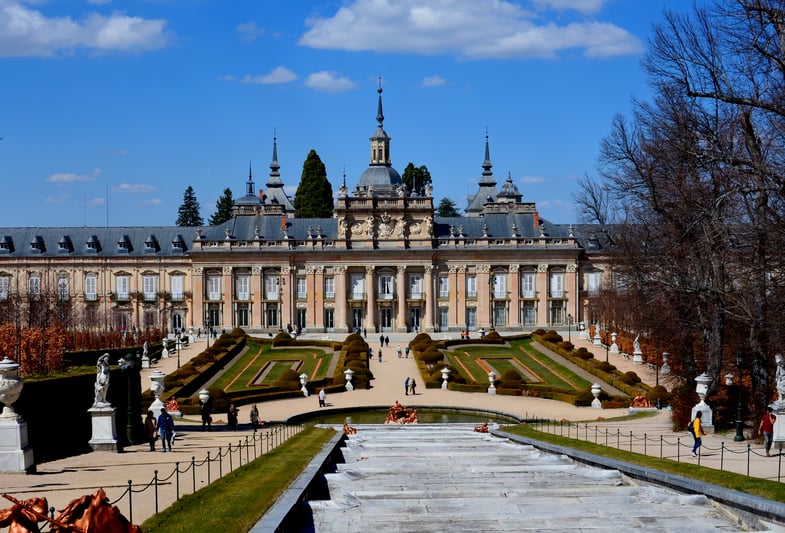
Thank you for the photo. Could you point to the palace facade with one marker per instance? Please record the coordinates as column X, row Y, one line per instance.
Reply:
column 383, row 262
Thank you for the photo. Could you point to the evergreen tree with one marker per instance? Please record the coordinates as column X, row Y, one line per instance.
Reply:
column 188, row 214
column 416, row 178
column 223, row 208
column 447, row 208
column 314, row 196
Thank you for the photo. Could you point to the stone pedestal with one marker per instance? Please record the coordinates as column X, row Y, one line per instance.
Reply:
column 779, row 425
column 104, row 433
column 637, row 356
column 16, row 455
column 706, row 419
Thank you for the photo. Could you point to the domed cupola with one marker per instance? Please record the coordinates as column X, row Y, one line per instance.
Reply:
column 380, row 175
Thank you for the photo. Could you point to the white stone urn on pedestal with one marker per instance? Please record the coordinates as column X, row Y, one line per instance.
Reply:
column 702, row 388
column 348, row 374
column 10, row 387
column 303, row 381
column 596, row 390
column 445, row 377
column 204, row 395
column 665, row 370
column 491, row 380
column 157, row 388
column 597, row 340
column 614, row 347
column 16, row 454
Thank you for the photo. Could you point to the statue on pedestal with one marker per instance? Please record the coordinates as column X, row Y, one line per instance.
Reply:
column 779, row 377
column 101, row 381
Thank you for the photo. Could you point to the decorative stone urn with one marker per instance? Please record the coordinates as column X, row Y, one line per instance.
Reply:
column 491, row 380
column 596, row 390
column 349, row 373
column 702, row 388
column 614, row 347
column 10, row 387
column 157, row 388
column 665, row 369
column 445, row 377
column 204, row 396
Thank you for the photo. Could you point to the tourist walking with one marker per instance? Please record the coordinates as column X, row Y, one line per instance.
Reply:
column 231, row 417
column 207, row 417
column 406, row 386
column 412, row 386
column 254, row 418
column 380, row 356
column 322, row 397
column 407, row 352
column 696, row 428
column 399, row 351
column 387, row 341
column 165, row 429
column 766, row 429
column 150, row 430
column 381, row 341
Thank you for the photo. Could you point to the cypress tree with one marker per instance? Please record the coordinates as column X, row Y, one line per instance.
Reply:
column 314, row 196
column 223, row 208
column 188, row 214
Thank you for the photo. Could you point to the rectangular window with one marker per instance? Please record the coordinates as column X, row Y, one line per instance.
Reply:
column 557, row 285
column 271, row 287
column 385, row 287
column 471, row 318
column 62, row 289
column 302, row 290
column 444, row 287
column 500, row 286
column 214, row 288
column 471, row 286
column 122, row 287
column 529, row 317
column 177, row 287
column 243, row 288
column 527, row 284
column 415, row 287
column 91, row 287
column 5, row 286
column 329, row 319
column 150, row 286
column 34, row 286
column 594, row 279
column 329, row 288
column 358, row 286
column 242, row 315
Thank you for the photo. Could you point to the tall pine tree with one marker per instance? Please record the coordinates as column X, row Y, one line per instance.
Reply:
column 314, row 196
column 188, row 214
column 223, row 208
column 447, row 208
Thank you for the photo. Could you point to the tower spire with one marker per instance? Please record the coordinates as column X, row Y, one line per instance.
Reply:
column 249, row 187
column 487, row 165
column 379, row 112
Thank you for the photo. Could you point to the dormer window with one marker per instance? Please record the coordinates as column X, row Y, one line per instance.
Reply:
column 64, row 245
column 6, row 244
column 93, row 245
column 178, row 244
column 37, row 245
column 151, row 244
column 124, row 245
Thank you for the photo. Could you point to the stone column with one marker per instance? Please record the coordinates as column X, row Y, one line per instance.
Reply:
column 257, row 290
column 341, row 322
column 428, row 304
column 541, row 283
column 400, row 294
column 370, row 303
column 514, row 313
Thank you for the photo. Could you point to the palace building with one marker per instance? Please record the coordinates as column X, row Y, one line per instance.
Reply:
column 383, row 262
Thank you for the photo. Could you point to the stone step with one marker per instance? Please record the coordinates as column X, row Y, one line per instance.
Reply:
column 449, row 478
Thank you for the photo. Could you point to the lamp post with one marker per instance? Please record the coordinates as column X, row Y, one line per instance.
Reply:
column 569, row 326
column 208, row 326
column 739, row 422
column 607, row 331
column 491, row 287
column 177, row 346
column 281, row 283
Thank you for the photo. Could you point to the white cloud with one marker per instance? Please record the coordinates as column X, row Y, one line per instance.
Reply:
column 433, row 81
column 249, row 31
column 96, row 201
column 74, row 178
column 583, row 6
column 276, row 76
column 331, row 82
column 28, row 32
column 461, row 27
column 134, row 188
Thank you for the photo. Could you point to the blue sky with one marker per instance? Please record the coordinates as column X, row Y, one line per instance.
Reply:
column 110, row 109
